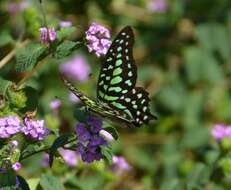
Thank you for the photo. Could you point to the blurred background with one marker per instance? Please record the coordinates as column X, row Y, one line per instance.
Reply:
column 183, row 54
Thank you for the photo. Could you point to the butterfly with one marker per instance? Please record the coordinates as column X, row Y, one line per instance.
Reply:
column 118, row 99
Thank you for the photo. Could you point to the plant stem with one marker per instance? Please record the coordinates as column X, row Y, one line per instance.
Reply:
column 11, row 54
column 43, row 149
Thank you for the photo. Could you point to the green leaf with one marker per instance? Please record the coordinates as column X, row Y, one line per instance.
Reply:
column 107, row 152
column 26, row 58
column 65, row 49
column 173, row 184
column 65, row 33
column 201, row 66
column 59, row 142
column 7, row 179
column 23, row 184
column 112, row 131
column 198, row 177
column 33, row 183
column 80, row 114
column 4, row 85
column 50, row 182
column 31, row 148
column 214, row 37
column 5, row 38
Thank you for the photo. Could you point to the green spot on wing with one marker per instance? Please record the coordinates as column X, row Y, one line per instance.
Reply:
column 119, row 62
column 128, row 82
column 105, row 87
column 119, row 55
column 117, row 71
column 129, row 73
column 101, row 94
column 119, row 48
column 118, row 105
column 101, row 83
column 116, row 80
column 116, row 89
column 111, row 98
column 124, row 91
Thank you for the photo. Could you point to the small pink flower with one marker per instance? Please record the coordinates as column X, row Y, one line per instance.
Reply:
column 70, row 157
column 45, row 160
column 16, row 166
column 14, row 143
column 76, row 68
column 157, row 6
column 106, row 135
column 46, row 37
column 218, row 131
column 120, row 165
column 73, row 98
column 55, row 104
column 228, row 131
column 14, row 8
column 65, row 24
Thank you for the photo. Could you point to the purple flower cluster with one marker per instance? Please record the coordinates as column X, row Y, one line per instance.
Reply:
column 157, row 6
column 220, row 131
column 46, row 37
column 120, row 165
column 89, row 139
column 9, row 126
column 98, row 38
column 77, row 68
column 35, row 129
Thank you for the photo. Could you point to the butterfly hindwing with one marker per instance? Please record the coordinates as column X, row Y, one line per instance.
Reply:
column 118, row 73
column 136, row 104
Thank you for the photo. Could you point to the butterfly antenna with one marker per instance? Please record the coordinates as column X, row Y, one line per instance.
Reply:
column 71, row 87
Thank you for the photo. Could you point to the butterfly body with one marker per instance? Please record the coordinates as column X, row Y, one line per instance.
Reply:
column 100, row 108
column 118, row 99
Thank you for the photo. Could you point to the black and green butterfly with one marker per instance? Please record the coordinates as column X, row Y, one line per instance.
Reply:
column 118, row 99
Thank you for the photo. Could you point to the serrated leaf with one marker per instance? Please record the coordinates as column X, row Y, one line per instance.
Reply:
column 4, row 84
column 65, row 49
column 65, row 33
column 112, row 131
column 50, row 182
column 26, row 58
column 107, row 152
column 59, row 142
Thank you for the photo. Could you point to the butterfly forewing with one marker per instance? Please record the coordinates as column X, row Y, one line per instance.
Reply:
column 118, row 73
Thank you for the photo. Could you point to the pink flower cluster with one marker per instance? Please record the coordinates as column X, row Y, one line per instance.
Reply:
column 98, row 38
column 220, row 131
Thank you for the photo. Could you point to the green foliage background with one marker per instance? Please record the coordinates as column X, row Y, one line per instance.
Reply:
column 184, row 61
